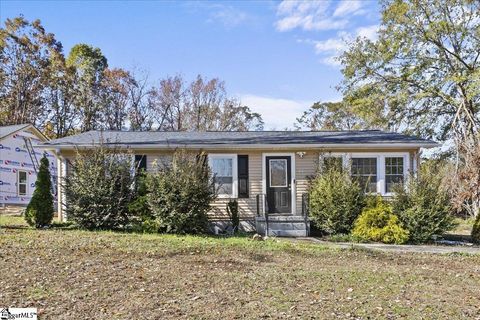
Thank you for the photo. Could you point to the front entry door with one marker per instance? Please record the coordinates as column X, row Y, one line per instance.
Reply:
column 279, row 188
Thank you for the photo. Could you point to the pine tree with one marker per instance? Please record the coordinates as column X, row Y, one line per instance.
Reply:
column 39, row 211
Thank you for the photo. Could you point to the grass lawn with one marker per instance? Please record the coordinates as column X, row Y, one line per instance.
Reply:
column 464, row 226
column 72, row 274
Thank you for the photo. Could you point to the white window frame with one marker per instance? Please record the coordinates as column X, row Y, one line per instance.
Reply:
column 234, row 158
column 369, row 156
column 18, row 183
column 380, row 156
column 405, row 176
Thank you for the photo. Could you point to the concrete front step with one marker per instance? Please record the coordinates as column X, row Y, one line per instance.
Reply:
column 283, row 226
column 286, row 225
column 282, row 218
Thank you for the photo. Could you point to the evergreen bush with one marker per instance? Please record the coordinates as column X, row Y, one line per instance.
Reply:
column 423, row 206
column 99, row 189
column 39, row 212
column 140, row 208
column 179, row 195
column 335, row 201
column 378, row 223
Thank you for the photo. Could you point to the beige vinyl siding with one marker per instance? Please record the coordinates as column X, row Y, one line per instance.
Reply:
column 305, row 168
column 247, row 206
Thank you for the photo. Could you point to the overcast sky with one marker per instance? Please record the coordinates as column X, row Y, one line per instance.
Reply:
column 278, row 57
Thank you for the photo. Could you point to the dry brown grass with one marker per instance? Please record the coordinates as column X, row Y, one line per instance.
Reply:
column 72, row 274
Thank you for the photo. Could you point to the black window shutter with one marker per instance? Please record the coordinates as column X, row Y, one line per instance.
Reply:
column 242, row 176
column 141, row 162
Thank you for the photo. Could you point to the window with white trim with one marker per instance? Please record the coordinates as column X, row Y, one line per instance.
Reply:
column 394, row 172
column 22, row 182
column 224, row 173
column 364, row 170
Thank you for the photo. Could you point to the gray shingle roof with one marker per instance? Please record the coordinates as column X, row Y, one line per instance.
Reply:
column 7, row 130
column 246, row 139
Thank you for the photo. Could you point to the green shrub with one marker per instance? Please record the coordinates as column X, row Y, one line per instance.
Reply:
column 39, row 212
column 476, row 230
column 99, row 189
column 423, row 206
column 179, row 195
column 378, row 223
column 335, row 201
column 140, row 209
column 232, row 209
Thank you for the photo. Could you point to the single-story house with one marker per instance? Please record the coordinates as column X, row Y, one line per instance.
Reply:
column 267, row 171
column 19, row 162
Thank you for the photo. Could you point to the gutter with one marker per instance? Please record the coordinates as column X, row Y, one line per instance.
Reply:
column 247, row 146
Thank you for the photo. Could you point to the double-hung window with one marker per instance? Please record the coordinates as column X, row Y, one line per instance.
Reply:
column 364, row 170
column 381, row 172
column 394, row 172
column 230, row 175
column 22, row 182
column 224, row 172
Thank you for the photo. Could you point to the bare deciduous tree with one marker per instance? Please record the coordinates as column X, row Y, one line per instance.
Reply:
column 139, row 113
column 201, row 106
column 464, row 183
column 64, row 96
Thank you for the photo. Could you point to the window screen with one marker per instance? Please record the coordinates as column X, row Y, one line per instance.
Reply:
column 222, row 170
column 364, row 170
column 394, row 170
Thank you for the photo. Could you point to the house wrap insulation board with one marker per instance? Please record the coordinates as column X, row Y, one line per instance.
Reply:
column 15, row 157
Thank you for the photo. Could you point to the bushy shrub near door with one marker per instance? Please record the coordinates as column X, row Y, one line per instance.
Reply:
column 335, row 201
column 179, row 194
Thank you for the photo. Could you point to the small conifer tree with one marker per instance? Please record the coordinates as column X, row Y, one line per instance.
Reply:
column 40, row 210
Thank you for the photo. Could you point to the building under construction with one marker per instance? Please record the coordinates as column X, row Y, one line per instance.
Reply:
column 19, row 164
